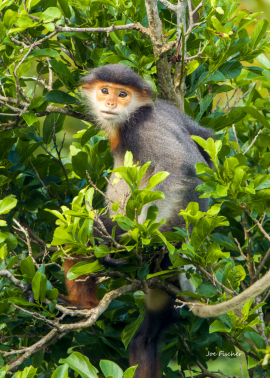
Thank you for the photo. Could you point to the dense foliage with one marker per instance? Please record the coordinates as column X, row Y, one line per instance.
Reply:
column 48, row 196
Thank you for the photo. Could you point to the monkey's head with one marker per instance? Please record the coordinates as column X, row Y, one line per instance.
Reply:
column 113, row 92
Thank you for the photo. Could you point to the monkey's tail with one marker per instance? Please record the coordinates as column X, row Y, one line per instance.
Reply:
column 83, row 293
column 144, row 345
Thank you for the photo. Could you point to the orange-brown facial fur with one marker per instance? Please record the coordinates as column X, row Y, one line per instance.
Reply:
column 113, row 99
column 112, row 104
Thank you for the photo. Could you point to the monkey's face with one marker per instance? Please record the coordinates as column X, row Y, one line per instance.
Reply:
column 114, row 101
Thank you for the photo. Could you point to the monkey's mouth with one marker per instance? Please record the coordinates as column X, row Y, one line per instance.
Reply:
column 108, row 114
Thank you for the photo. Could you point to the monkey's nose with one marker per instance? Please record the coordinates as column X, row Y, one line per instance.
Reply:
column 110, row 104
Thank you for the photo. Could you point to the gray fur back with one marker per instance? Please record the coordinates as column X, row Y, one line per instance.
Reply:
column 161, row 134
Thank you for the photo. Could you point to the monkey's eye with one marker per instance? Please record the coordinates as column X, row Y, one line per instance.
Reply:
column 104, row 91
column 122, row 94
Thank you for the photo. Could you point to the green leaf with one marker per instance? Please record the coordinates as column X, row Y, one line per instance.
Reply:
column 60, row 97
column 12, row 261
column 192, row 66
column 7, row 204
column 110, row 368
column 128, row 159
column 84, row 267
column 256, row 339
column 11, row 239
column 61, row 236
column 123, row 51
column 5, row 3
column 58, row 215
column 79, row 163
column 231, row 69
column 61, row 372
column 24, row 67
column 258, row 116
column 258, row 33
column 207, row 290
column 217, row 25
column 152, row 213
column 52, row 294
column 39, row 284
column 3, row 371
column 130, row 330
column 28, row 372
column 49, row 53
column 30, row 118
column 129, row 373
column 264, row 61
column 143, row 272
column 246, row 307
column 115, row 206
column 252, row 363
column 204, row 228
column 89, row 198
column 10, row 18
column 102, row 251
column 81, row 365
column 224, row 241
column 50, row 14
column 32, row 148
column 48, row 127
column 218, row 326
column 216, row 77
column 65, row 8
column 61, row 68
column 171, row 248
column 31, row 3
column 28, row 269
column 156, row 179
column 180, row 261
column 22, row 302
column 89, row 133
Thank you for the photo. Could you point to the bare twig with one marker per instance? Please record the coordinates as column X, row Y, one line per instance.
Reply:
column 97, row 189
column 50, row 338
column 18, row 42
column 50, row 85
column 25, row 232
column 214, row 279
column 250, row 266
column 262, row 264
column 236, row 139
column 197, row 8
column 240, row 249
column 257, row 222
column 214, row 110
column 254, row 140
column 169, row 5
column 38, row 80
column 18, row 86
column 122, row 200
column 158, row 43
column 237, row 99
column 17, row 283
column 59, row 151
column 44, row 186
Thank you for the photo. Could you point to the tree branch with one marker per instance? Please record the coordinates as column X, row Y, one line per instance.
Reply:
column 158, row 42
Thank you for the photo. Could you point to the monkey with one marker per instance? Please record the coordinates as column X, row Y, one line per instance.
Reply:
column 122, row 104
